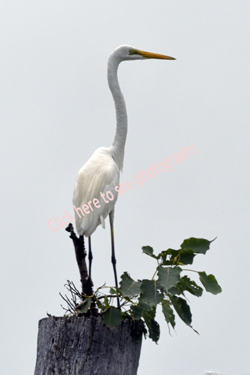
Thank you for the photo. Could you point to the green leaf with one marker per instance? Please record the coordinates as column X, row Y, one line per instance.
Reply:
column 130, row 300
column 154, row 331
column 210, row 283
column 144, row 305
column 168, row 277
column 153, row 326
column 168, row 313
column 176, row 290
column 186, row 256
column 113, row 291
column 163, row 256
column 198, row 245
column 112, row 317
column 149, row 251
column 150, row 293
column 84, row 306
column 182, row 309
column 129, row 287
column 190, row 286
column 136, row 312
column 100, row 305
column 138, row 328
column 106, row 302
column 175, row 257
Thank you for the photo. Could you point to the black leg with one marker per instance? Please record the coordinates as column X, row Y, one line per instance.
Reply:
column 113, row 260
column 90, row 257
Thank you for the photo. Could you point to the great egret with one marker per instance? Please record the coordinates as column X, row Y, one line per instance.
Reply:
column 97, row 183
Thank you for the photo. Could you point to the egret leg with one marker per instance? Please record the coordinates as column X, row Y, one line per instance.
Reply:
column 90, row 256
column 113, row 260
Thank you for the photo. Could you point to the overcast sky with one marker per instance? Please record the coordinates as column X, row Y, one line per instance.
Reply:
column 56, row 109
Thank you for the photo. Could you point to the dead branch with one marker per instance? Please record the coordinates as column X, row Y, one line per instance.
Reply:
column 80, row 253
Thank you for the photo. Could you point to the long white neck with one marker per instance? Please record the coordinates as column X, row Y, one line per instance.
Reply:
column 117, row 149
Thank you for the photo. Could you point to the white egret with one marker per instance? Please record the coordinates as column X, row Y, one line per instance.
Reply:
column 95, row 194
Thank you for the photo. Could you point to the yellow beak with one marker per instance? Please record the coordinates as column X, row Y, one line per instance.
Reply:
column 150, row 55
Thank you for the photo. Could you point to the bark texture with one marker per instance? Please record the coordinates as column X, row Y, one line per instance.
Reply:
column 85, row 345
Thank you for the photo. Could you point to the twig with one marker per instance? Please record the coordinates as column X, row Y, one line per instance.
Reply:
column 67, row 300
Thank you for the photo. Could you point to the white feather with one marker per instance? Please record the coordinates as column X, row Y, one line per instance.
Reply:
column 99, row 174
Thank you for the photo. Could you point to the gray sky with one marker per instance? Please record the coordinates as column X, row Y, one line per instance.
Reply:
column 56, row 109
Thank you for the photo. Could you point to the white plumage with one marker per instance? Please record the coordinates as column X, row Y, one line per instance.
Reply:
column 99, row 175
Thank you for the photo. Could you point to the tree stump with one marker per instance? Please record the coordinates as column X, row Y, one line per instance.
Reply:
column 85, row 345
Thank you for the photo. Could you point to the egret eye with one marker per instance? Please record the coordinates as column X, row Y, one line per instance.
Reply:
column 133, row 52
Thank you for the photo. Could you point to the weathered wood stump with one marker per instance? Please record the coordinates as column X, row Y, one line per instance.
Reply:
column 85, row 345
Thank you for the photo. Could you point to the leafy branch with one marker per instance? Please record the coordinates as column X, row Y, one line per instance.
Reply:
column 167, row 288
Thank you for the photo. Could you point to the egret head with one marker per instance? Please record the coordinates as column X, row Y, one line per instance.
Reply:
column 130, row 53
